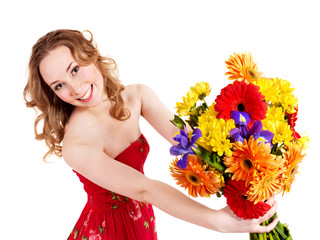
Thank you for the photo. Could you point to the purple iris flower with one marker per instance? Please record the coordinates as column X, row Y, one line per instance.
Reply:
column 241, row 120
column 262, row 135
column 185, row 146
column 240, row 133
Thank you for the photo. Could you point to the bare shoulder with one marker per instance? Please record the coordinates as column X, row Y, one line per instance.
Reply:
column 140, row 91
column 136, row 94
column 155, row 112
column 135, row 90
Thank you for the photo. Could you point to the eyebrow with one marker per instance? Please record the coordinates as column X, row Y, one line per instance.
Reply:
column 69, row 67
column 66, row 71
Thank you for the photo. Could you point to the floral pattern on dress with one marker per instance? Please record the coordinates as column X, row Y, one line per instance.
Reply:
column 135, row 213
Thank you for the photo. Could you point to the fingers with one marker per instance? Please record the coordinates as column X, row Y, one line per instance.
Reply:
column 270, row 213
column 265, row 229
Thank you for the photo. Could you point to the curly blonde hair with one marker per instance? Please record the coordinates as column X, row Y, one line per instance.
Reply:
column 54, row 112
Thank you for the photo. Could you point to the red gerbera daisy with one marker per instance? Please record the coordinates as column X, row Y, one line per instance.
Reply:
column 292, row 118
column 241, row 96
column 234, row 191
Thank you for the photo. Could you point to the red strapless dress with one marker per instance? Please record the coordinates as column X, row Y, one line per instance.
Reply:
column 110, row 216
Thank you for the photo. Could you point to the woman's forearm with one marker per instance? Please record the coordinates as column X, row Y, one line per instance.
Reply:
column 175, row 203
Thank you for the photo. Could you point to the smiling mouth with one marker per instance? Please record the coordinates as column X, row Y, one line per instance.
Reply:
column 88, row 95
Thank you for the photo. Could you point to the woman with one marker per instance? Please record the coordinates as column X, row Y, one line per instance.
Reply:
column 84, row 106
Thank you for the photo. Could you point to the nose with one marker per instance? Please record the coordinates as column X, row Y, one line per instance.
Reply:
column 75, row 88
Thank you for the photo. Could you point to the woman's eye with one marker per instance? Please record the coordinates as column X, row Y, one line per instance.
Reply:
column 75, row 70
column 58, row 86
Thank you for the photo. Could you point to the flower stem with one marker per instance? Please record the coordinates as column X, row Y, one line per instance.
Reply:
column 270, row 236
column 275, row 235
column 261, row 237
column 264, row 235
column 280, row 232
column 254, row 236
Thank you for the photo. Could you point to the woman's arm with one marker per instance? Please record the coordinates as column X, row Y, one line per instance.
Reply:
column 90, row 161
column 156, row 113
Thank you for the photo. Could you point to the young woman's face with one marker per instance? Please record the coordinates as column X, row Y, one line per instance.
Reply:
column 80, row 86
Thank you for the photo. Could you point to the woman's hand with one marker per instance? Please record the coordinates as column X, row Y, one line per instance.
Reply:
column 227, row 221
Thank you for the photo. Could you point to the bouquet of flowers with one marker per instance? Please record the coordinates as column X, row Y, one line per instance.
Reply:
column 243, row 146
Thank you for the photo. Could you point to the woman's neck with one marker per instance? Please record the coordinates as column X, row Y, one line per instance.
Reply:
column 101, row 110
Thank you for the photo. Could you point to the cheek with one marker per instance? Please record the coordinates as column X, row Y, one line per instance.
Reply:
column 86, row 73
column 63, row 95
column 93, row 73
column 99, row 78
column 82, row 74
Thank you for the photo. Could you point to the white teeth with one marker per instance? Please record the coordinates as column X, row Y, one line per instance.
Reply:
column 88, row 93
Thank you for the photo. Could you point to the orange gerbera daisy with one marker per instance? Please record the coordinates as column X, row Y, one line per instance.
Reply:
column 293, row 156
column 264, row 186
column 241, row 67
column 200, row 180
column 248, row 158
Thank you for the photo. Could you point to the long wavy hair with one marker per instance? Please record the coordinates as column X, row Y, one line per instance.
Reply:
column 55, row 113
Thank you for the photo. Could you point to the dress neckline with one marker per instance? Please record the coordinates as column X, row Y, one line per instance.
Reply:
column 130, row 145
column 139, row 139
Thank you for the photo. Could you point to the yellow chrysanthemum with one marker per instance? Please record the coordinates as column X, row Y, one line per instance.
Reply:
column 198, row 92
column 293, row 156
column 215, row 132
column 281, row 130
column 285, row 98
column 289, row 102
column 241, row 67
column 197, row 178
column 201, row 90
column 183, row 108
column 211, row 111
column 283, row 85
column 248, row 158
column 275, row 113
column 303, row 142
column 264, row 186
column 268, row 89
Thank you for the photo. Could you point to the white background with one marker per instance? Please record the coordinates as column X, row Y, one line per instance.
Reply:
column 169, row 46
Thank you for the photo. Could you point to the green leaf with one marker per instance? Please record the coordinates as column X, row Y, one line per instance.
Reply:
column 217, row 166
column 217, row 162
column 178, row 122
column 202, row 152
column 194, row 118
column 211, row 158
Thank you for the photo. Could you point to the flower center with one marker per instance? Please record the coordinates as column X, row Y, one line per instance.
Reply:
column 193, row 179
column 240, row 107
column 267, row 182
column 202, row 96
column 244, row 197
column 252, row 73
column 247, row 164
